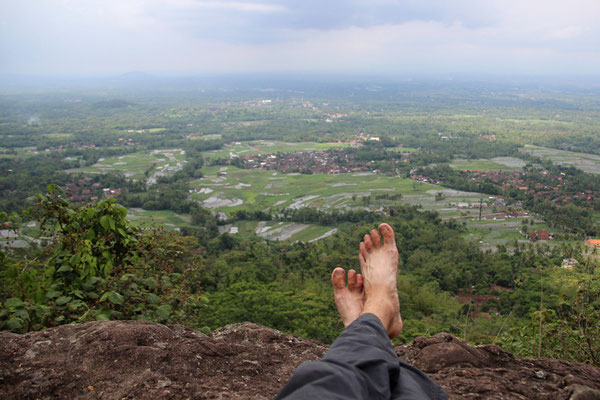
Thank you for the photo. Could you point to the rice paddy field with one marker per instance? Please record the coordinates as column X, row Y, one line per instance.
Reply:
column 586, row 162
column 225, row 189
column 170, row 220
column 135, row 165
column 228, row 188
column 494, row 164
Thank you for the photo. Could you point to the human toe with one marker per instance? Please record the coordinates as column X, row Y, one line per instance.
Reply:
column 359, row 282
column 368, row 243
column 375, row 238
column 338, row 279
column 351, row 279
column 388, row 235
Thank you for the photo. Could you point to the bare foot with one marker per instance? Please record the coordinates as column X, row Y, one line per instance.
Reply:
column 348, row 299
column 379, row 266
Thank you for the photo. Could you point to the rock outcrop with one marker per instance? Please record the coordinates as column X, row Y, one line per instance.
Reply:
column 143, row 360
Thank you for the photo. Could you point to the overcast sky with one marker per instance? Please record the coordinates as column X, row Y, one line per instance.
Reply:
column 396, row 37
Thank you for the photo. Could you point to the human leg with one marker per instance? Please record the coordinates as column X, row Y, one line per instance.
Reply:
column 361, row 363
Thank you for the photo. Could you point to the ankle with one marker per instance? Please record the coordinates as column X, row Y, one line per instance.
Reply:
column 381, row 307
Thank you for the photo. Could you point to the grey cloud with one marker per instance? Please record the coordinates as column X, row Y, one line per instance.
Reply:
column 213, row 35
column 238, row 25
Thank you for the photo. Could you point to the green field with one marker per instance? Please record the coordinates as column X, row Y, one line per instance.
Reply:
column 167, row 218
column 58, row 135
column 404, row 149
column 503, row 164
column 135, row 165
column 586, row 162
column 494, row 233
column 226, row 189
column 268, row 146
column 491, row 233
column 206, row 137
column 230, row 188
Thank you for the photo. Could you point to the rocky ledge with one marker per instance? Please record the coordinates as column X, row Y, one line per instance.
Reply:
column 140, row 360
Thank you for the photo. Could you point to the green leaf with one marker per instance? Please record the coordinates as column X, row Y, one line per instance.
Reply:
column 65, row 268
column 163, row 312
column 76, row 304
column 115, row 298
column 106, row 267
column 13, row 302
column 151, row 298
column 92, row 280
column 90, row 235
column 103, row 315
column 22, row 314
column 104, row 221
column 63, row 300
column 104, row 297
column 139, row 307
column 121, row 231
column 14, row 323
column 122, row 211
column 148, row 282
column 205, row 330
column 111, row 222
column 50, row 294
column 75, row 259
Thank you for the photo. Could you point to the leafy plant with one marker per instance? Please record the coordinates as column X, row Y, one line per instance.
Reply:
column 97, row 267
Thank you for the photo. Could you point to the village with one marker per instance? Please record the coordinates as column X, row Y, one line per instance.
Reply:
column 85, row 190
column 552, row 187
column 317, row 162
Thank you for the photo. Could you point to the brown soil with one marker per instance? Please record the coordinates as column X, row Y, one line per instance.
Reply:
column 142, row 360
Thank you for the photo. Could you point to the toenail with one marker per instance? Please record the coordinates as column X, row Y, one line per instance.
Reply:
column 339, row 273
